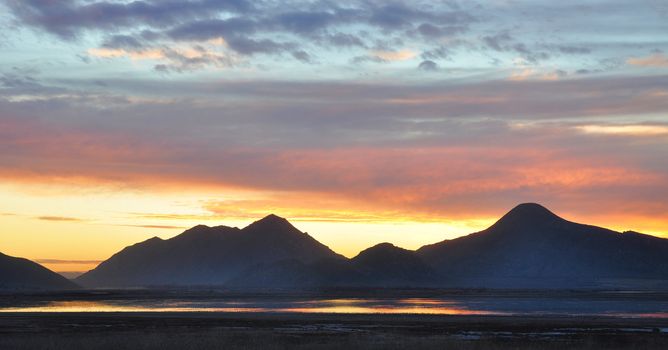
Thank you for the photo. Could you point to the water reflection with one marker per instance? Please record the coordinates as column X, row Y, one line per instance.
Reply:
column 110, row 306
column 436, row 306
column 400, row 306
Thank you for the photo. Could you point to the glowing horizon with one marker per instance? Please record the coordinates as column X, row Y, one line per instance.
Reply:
column 126, row 227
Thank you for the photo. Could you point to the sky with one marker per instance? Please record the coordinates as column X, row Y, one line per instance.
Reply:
column 359, row 121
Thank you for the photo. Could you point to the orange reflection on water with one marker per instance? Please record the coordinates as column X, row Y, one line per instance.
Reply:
column 339, row 306
column 345, row 309
column 99, row 306
column 379, row 306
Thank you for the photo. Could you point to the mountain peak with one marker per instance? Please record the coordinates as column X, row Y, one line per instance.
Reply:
column 531, row 209
column 273, row 221
column 380, row 249
column 271, row 224
column 272, row 218
column 531, row 205
column 528, row 214
column 196, row 229
column 383, row 246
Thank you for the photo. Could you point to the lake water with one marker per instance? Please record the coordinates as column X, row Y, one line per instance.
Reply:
column 624, row 307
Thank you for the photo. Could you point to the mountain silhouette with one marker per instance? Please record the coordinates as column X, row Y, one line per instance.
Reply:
column 23, row 274
column 383, row 265
column 387, row 265
column 206, row 255
column 531, row 247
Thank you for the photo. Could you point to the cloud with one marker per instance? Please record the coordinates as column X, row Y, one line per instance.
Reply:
column 498, row 41
column 469, row 30
column 305, row 22
column 122, row 42
column 176, row 59
column 429, row 66
column 59, row 218
column 302, row 56
column 160, row 227
column 345, row 40
column 413, row 179
column 528, row 73
column 388, row 56
column 213, row 28
column 248, row 29
column 66, row 262
column 68, row 18
column 654, row 60
column 251, row 46
column 628, row 130
column 136, row 55
column 504, row 42
column 367, row 58
column 574, row 50
column 436, row 53
column 431, row 31
column 428, row 147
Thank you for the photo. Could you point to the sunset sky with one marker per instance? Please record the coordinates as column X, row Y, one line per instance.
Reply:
column 359, row 121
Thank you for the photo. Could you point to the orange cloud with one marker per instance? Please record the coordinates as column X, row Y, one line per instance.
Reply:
column 654, row 60
column 532, row 74
column 401, row 55
column 634, row 130
column 362, row 184
column 58, row 218
column 152, row 54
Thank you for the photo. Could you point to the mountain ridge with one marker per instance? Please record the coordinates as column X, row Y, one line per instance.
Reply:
column 544, row 249
column 528, row 247
column 205, row 255
column 23, row 274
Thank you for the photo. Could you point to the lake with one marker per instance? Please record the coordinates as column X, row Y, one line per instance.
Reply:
column 618, row 304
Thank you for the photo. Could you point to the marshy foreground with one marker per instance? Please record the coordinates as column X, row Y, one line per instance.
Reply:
column 213, row 330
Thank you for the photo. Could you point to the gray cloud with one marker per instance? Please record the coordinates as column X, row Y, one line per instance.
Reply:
column 345, row 40
column 436, row 53
column 67, row 18
column 504, row 42
column 327, row 113
column 247, row 29
column 302, row 56
column 251, row 46
column 122, row 42
column 282, row 28
column 429, row 66
column 213, row 28
column 574, row 50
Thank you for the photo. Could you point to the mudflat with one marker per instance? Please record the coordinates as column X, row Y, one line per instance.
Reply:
column 215, row 330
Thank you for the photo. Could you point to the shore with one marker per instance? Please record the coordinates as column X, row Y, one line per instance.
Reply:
column 212, row 330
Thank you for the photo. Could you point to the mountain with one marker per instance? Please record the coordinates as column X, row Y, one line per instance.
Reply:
column 206, row 255
column 387, row 265
column 531, row 247
column 23, row 274
column 383, row 265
